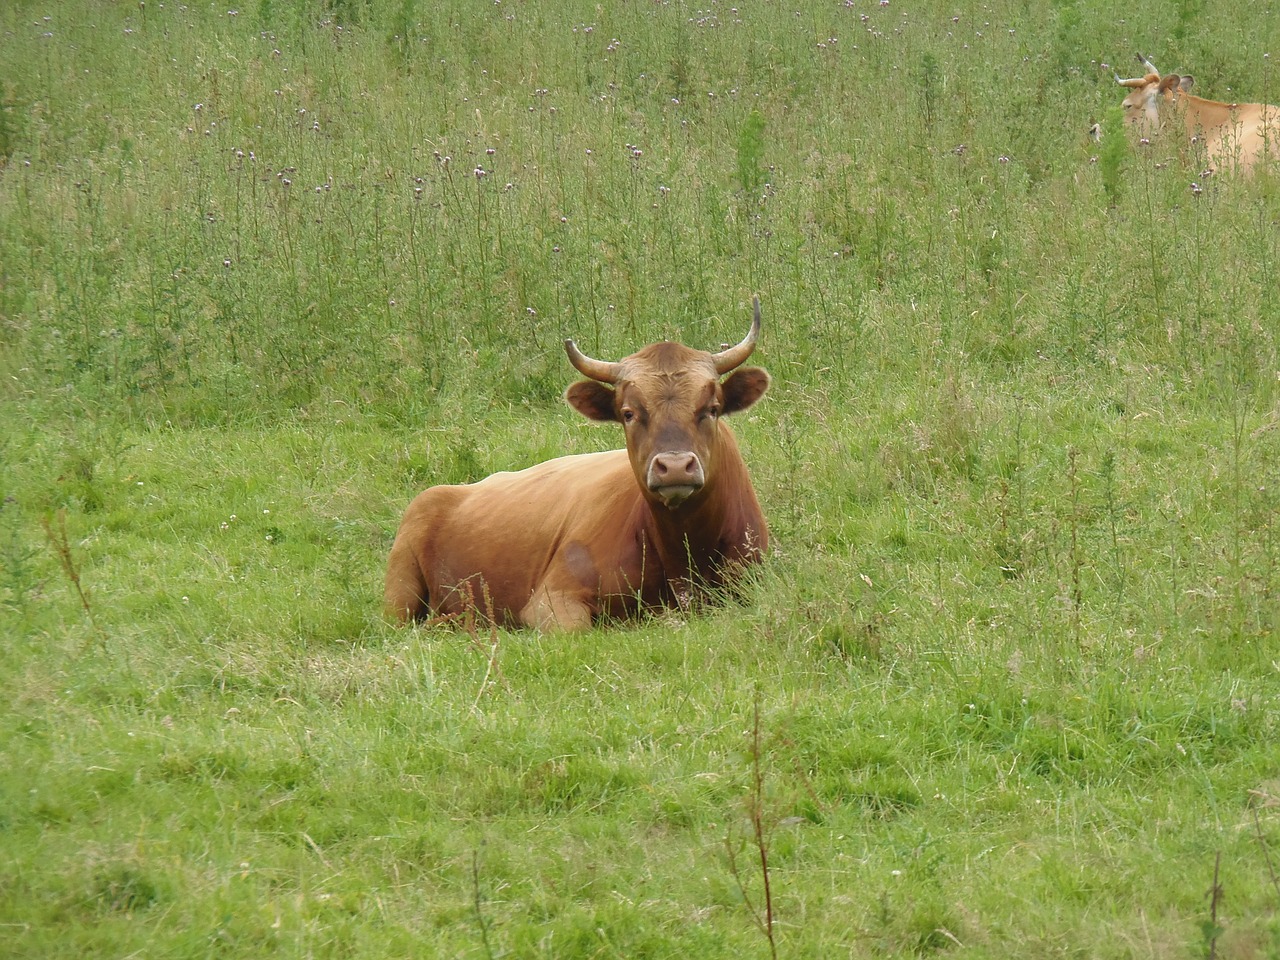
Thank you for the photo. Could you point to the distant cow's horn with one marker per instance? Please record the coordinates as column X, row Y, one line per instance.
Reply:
column 602, row 370
column 727, row 360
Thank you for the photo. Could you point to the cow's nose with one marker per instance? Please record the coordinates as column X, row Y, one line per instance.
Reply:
column 676, row 468
column 675, row 476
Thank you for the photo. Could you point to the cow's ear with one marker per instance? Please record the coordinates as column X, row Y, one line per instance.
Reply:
column 1168, row 82
column 1185, row 83
column 593, row 400
column 744, row 387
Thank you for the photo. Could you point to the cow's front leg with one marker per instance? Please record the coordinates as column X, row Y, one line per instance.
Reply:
column 551, row 609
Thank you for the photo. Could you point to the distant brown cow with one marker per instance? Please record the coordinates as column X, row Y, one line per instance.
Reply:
column 565, row 542
column 1234, row 135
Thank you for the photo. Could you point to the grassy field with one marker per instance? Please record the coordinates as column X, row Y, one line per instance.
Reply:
column 1009, row 684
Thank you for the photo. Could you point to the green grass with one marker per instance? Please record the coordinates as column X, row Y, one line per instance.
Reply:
column 1015, row 653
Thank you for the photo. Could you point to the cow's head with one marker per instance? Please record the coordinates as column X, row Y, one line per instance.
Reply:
column 669, row 399
column 1141, row 104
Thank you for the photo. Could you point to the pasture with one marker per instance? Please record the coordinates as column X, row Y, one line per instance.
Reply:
column 1008, row 683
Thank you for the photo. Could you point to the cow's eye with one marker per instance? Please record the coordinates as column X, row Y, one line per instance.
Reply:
column 628, row 415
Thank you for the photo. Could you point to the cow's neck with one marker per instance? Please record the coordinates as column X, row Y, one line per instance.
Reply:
column 697, row 531
column 1201, row 114
column 684, row 535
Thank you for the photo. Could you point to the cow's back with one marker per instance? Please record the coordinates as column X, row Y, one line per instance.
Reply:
column 490, row 545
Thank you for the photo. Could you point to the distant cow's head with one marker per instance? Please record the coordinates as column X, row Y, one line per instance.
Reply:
column 669, row 399
column 1142, row 103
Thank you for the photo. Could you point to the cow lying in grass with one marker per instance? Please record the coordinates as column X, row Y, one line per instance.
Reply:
column 1234, row 136
column 563, row 543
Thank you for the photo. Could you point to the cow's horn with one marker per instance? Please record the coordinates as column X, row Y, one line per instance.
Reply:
column 727, row 360
column 601, row 370
column 1147, row 63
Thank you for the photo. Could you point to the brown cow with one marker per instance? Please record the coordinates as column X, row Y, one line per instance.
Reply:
column 565, row 542
column 1234, row 135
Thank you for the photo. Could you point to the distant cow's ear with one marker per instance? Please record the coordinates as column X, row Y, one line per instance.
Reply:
column 744, row 387
column 1185, row 83
column 593, row 400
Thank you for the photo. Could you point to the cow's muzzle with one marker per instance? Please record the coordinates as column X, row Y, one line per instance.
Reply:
column 675, row 477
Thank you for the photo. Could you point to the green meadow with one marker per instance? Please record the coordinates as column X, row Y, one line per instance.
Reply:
column 1008, row 684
